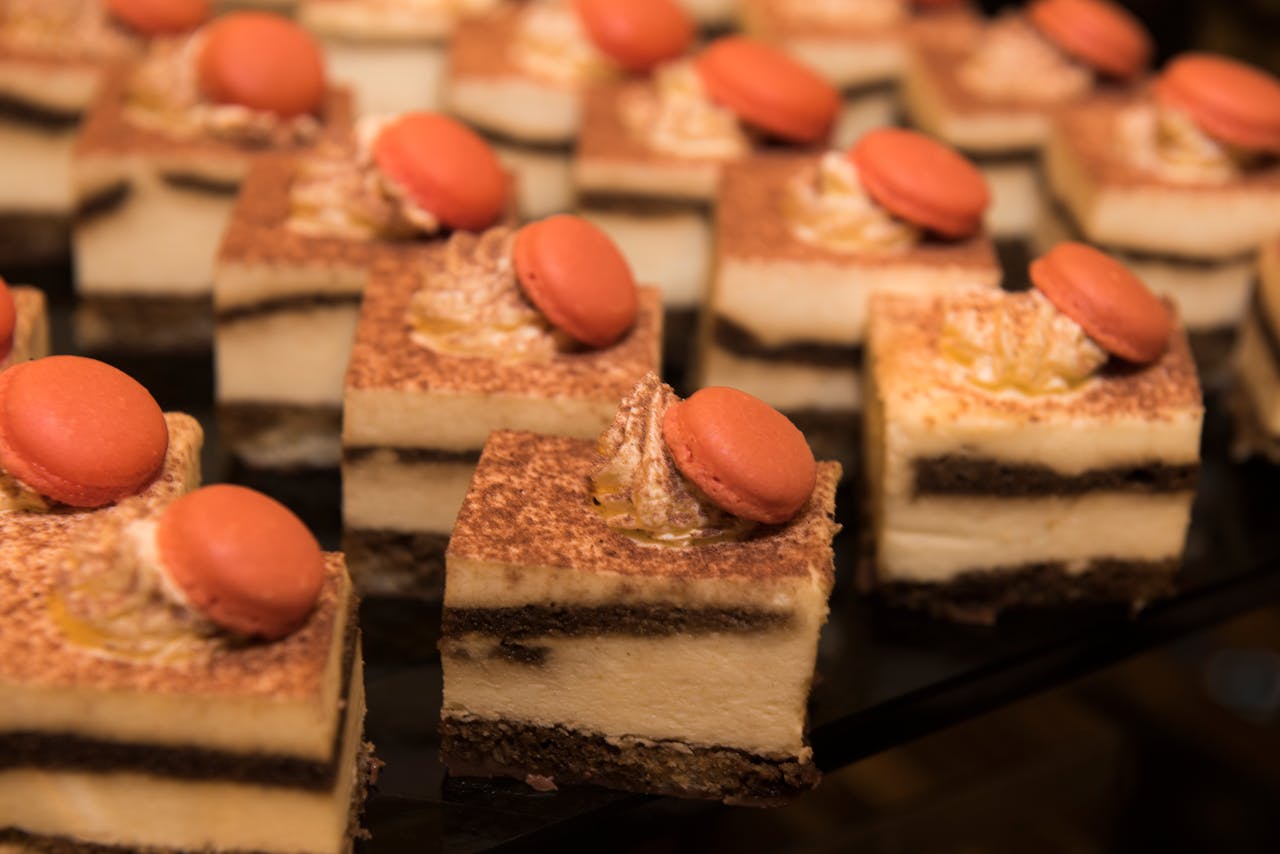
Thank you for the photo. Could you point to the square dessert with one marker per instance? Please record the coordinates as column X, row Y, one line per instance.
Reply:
column 419, row 404
column 1010, row 464
column 575, row 652
column 1255, row 391
column 800, row 248
column 157, row 168
column 1185, row 208
column 991, row 89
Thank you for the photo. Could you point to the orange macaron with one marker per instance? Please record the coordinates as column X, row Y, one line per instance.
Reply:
column 1110, row 303
column 241, row 559
column 79, row 431
column 262, row 61
column 1229, row 100
column 922, row 181
column 744, row 454
column 1103, row 35
column 445, row 167
column 637, row 34
column 576, row 276
column 8, row 319
column 160, row 17
column 768, row 89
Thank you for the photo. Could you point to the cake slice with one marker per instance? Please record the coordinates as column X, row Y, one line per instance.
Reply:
column 605, row 622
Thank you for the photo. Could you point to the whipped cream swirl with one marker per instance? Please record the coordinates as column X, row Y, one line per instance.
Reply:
column 1165, row 141
column 676, row 116
column 16, row 495
column 829, row 207
column 1013, row 62
column 551, row 44
column 637, row 487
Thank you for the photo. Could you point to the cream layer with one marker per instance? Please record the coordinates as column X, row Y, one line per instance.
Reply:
column 987, row 131
column 290, row 727
column 1194, row 222
column 362, row 22
column 669, row 178
column 1258, row 374
column 851, row 62
column 387, row 75
column 861, row 112
column 1015, row 196
column 454, row 421
column 35, row 171
column 286, row 356
column 784, row 302
column 544, row 179
column 936, row 538
column 244, row 285
column 384, row 493
column 784, row 385
column 133, row 810
column 516, row 107
column 670, row 250
column 65, row 89
column 746, row 691
column 161, row 239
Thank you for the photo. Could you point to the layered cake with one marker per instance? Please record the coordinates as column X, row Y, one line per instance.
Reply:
column 802, row 243
column 541, row 329
column 390, row 53
column 1181, row 182
column 1255, row 390
column 52, row 57
column 157, row 164
column 518, row 74
column 652, row 152
column 24, row 324
column 1030, row 449
column 180, row 674
column 992, row 91
column 295, row 257
column 643, row 612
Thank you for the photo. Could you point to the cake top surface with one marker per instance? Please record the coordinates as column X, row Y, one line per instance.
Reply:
column 750, row 223
column 481, row 46
column 912, row 373
column 385, row 355
column 826, row 20
column 530, row 505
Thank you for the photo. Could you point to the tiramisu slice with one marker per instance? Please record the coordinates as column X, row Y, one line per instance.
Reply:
column 642, row 613
column 518, row 74
column 161, row 154
column 1255, row 387
column 53, row 54
column 803, row 242
column 1181, row 182
column 991, row 91
column 652, row 152
column 1030, row 449
column 295, row 257
column 541, row 329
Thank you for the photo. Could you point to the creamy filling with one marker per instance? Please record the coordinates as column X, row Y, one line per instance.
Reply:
column 671, row 251
column 785, row 385
column 381, row 492
column 1166, row 142
column 35, row 172
column 552, row 44
column 829, row 207
column 377, row 71
column 838, row 13
column 1014, row 62
column 518, row 108
column 675, row 116
column 747, row 691
column 294, row 357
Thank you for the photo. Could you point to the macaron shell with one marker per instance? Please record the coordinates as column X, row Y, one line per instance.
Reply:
column 264, row 62
column 637, row 34
column 1101, row 34
column 1229, row 100
column 576, row 276
column 446, row 168
column 744, row 454
column 1110, row 303
column 768, row 89
column 160, row 17
column 241, row 559
column 922, row 181
column 8, row 320
column 79, row 430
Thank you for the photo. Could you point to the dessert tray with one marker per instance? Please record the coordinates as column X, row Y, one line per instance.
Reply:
column 884, row 677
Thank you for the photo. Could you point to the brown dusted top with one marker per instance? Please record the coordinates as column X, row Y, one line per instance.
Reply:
column 777, row 20
column 530, row 505
column 750, row 224
column 384, row 355
column 33, row 651
column 905, row 333
column 481, row 46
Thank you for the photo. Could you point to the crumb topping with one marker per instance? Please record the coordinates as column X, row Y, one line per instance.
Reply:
column 1013, row 62
column 676, row 116
column 828, row 207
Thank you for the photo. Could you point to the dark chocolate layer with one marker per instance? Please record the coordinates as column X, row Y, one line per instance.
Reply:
column 299, row 302
column 956, row 475
column 737, row 339
column 642, row 620
column 396, row 563
column 41, row 115
column 979, row 596
column 521, row 750
column 620, row 201
column 244, row 424
column 144, row 323
column 71, row 752
column 359, row 453
column 201, row 183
